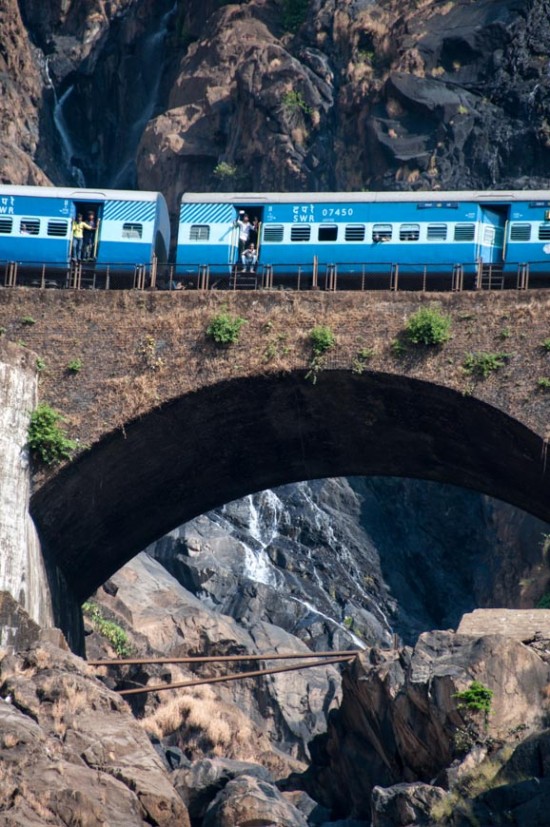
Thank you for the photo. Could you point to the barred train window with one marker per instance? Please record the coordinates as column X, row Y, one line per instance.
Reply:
column 437, row 232
column 132, row 230
column 520, row 232
column 300, row 232
column 464, row 232
column 199, row 232
column 273, row 232
column 29, row 226
column 5, row 225
column 328, row 232
column 381, row 232
column 355, row 232
column 57, row 228
column 409, row 232
column 544, row 232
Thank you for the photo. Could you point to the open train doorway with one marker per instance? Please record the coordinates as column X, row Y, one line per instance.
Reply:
column 248, row 218
column 90, row 212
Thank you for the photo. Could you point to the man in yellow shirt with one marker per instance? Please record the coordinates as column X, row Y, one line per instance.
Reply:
column 78, row 236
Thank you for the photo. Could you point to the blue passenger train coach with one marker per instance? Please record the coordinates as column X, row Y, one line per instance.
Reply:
column 358, row 236
column 36, row 225
column 370, row 233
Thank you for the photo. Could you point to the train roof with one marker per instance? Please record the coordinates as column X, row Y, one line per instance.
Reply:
column 79, row 194
column 260, row 198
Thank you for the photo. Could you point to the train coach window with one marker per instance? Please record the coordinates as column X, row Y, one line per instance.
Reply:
column 328, row 232
column 465, row 232
column 273, row 232
column 381, row 232
column 355, row 232
column 544, row 232
column 300, row 232
column 132, row 230
column 5, row 225
column 520, row 232
column 57, row 228
column 29, row 226
column 199, row 232
column 409, row 232
column 437, row 232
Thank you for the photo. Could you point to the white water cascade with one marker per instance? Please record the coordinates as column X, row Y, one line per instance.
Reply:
column 60, row 122
column 265, row 510
column 22, row 571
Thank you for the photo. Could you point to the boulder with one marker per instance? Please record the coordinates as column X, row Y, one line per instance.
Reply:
column 71, row 751
column 246, row 801
column 404, row 805
column 199, row 784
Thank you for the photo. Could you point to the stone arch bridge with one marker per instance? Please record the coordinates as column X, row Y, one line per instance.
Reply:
column 170, row 425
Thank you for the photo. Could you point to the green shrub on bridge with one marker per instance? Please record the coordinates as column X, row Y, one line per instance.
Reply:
column 321, row 339
column 428, row 326
column 482, row 363
column 48, row 443
column 225, row 329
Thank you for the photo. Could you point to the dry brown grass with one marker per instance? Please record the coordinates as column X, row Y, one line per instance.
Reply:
column 204, row 722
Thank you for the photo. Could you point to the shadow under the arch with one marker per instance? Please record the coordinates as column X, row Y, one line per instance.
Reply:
column 245, row 435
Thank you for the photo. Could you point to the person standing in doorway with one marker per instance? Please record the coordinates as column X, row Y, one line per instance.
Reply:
column 90, row 229
column 79, row 225
column 244, row 225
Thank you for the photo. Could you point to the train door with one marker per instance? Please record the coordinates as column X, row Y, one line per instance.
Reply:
column 91, row 216
column 493, row 220
column 255, row 217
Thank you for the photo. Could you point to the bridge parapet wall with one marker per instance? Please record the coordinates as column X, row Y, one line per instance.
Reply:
column 138, row 351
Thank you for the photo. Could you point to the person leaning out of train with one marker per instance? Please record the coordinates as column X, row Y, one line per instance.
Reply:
column 79, row 225
column 249, row 258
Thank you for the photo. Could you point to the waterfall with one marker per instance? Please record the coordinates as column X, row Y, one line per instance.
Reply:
column 152, row 59
column 60, row 122
column 265, row 510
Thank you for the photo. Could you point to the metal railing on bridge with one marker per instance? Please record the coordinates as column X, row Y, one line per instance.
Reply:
column 358, row 276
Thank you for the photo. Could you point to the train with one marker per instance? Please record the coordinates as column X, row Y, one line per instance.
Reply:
column 351, row 240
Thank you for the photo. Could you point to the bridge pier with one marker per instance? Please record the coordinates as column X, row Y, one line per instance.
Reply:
column 34, row 584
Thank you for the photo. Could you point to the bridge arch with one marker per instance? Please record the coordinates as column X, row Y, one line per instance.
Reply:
column 224, row 441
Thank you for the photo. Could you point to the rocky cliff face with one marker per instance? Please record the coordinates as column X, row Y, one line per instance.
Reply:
column 273, row 95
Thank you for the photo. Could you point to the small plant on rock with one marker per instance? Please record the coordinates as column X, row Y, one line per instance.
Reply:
column 543, row 383
column 428, row 327
column 477, row 698
column 545, row 345
column 225, row 329
column 47, row 441
column 108, row 629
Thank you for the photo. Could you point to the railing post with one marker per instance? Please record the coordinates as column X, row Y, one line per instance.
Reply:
column 314, row 281
column 479, row 275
